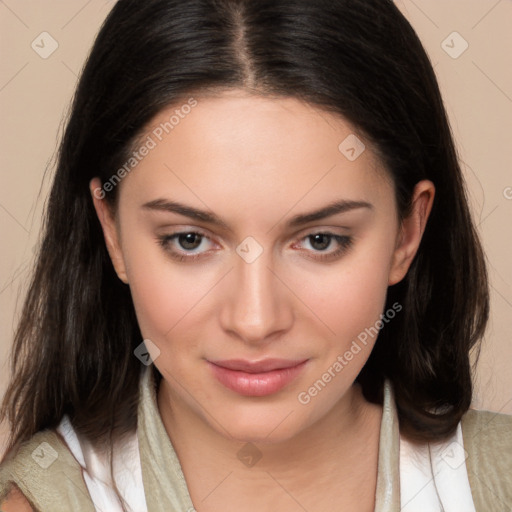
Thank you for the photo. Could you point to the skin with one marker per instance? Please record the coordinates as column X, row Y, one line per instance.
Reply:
column 16, row 502
column 256, row 162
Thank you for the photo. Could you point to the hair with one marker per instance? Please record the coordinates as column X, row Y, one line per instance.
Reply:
column 360, row 59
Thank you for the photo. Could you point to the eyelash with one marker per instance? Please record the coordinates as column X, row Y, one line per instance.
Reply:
column 344, row 242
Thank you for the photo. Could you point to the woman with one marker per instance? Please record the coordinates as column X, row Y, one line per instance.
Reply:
column 259, row 282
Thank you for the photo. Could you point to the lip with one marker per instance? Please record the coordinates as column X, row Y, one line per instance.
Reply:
column 256, row 378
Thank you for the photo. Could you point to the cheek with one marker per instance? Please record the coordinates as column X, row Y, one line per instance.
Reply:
column 165, row 294
column 362, row 296
column 349, row 296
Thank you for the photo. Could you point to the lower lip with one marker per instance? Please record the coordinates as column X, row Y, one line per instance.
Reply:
column 256, row 384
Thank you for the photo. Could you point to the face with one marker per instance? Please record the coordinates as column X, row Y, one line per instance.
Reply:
column 249, row 297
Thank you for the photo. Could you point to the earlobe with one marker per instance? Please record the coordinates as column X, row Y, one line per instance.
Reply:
column 411, row 231
column 109, row 228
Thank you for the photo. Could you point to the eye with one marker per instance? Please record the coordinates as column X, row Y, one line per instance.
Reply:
column 322, row 241
column 180, row 245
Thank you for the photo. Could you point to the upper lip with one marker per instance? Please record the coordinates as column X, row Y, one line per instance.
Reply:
column 266, row 365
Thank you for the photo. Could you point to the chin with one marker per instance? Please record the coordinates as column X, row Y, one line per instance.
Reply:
column 270, row 425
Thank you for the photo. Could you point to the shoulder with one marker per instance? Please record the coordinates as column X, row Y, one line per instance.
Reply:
column 42, row 472
column 487, row 430
column 16, row 501
column 487, row 438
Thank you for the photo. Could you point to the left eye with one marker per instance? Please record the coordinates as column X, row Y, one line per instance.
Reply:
column 188, row 241
column 322, row 241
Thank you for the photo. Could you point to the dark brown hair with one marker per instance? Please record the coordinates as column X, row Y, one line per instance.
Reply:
column 73, row 348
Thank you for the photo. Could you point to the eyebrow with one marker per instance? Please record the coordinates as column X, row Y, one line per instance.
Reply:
column 340, row 206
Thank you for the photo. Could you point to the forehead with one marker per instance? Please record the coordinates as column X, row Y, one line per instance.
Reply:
column 256, row 150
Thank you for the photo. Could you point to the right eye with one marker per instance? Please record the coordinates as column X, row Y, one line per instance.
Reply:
column 180, row 244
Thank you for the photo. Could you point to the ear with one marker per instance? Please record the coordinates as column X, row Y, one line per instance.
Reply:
column 411, row 231
column 110, row 229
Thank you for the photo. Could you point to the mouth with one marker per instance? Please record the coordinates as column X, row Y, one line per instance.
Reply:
column 256, row 378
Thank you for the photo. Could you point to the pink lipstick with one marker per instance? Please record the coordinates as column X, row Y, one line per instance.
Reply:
column 256, row 378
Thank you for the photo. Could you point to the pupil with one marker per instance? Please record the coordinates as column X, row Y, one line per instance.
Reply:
column 325, row 238
column 187, row 240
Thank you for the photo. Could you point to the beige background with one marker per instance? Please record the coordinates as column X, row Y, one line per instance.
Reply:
column 477, row 88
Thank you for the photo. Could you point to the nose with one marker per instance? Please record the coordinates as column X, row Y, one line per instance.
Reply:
column 258, row 307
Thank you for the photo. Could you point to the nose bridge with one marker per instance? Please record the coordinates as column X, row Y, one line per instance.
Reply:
column 257, row 303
